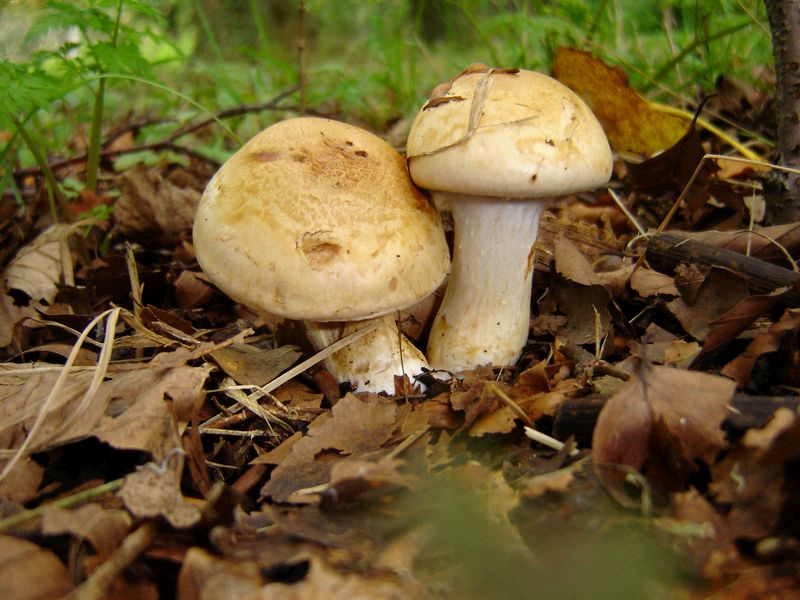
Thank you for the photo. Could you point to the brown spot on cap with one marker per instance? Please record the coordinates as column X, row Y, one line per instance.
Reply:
column 265, row 156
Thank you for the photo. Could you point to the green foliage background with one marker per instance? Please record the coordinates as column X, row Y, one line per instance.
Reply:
column 368, row 61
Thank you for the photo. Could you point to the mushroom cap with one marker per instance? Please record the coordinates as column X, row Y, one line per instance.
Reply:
column 316, row 219
column 507, row 133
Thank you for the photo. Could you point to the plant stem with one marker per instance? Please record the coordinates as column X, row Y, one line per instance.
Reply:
column 54, row 191
column 30, row 515
column 93, row 151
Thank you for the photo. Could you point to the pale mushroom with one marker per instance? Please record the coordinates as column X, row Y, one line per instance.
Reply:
column 495, row 146
column 317, row 220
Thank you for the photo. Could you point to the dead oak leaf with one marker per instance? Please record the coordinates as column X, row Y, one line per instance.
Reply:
column 354, row 427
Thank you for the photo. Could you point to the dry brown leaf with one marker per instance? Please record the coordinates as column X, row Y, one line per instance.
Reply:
column 354, row 427
column 557, row 481
column 22, row 484
column 36, row 271
column 154, row 490
column 152, row 208
column 621, row 435
column 131, row 409
column 764, row 342
column 650, row 283
column 28, row 572
column 691, row 406
column 191, row 291
column 207, row 576
column 582, row 305
column 324, row 582
column 572, row 264
column 351, row 477
column 739, row 318
column 630, row 123
column 684, row 408
column 104, row 528
column 42, row 265
column 248, row 364
column 719, row 292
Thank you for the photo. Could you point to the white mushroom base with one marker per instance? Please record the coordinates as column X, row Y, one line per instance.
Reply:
column 371, row 362
column 485, row 313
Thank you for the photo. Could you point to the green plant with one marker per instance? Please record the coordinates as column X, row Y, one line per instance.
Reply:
column 102, row 44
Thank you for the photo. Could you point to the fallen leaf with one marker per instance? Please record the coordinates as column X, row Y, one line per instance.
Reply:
column 718, row 293
column 152, row 208
column 663, row 410
column 630, row 122
column 354, row 427
column 738, row 318
column 764, row 342
column 103, row 528
column 154, row 490
column 29, row 572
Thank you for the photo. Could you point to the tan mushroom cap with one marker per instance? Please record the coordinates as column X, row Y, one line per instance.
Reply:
column 315, row 219
column 507, row 133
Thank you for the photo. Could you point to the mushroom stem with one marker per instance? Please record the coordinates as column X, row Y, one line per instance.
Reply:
column 370, row 363
column 485, row 314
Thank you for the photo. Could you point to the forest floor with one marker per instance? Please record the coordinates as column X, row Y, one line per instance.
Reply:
column 146, row 453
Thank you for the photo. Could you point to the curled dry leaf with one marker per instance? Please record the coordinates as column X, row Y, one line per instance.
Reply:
column 719, row 292
column 248, row 364
column 104, row 528
column 36, row 271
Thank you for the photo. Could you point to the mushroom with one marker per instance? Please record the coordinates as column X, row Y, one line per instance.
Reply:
column 317, row 220
column 494, row 146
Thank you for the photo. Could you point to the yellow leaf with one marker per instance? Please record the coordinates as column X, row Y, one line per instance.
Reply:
column 630, row 122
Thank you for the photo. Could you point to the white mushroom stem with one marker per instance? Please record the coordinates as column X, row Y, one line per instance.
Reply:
column 484, row 316
column 371, row 362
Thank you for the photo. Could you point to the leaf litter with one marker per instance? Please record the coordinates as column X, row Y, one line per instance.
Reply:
column 645, row 445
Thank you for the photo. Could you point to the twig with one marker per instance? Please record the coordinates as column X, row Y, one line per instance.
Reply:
column 27, row 516
column 666, row 250
column 98, row 585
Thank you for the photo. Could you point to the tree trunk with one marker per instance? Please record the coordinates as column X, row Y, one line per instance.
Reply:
column 784, row 22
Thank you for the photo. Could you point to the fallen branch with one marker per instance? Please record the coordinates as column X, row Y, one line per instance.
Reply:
column 577, row 417
column 665, row 251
